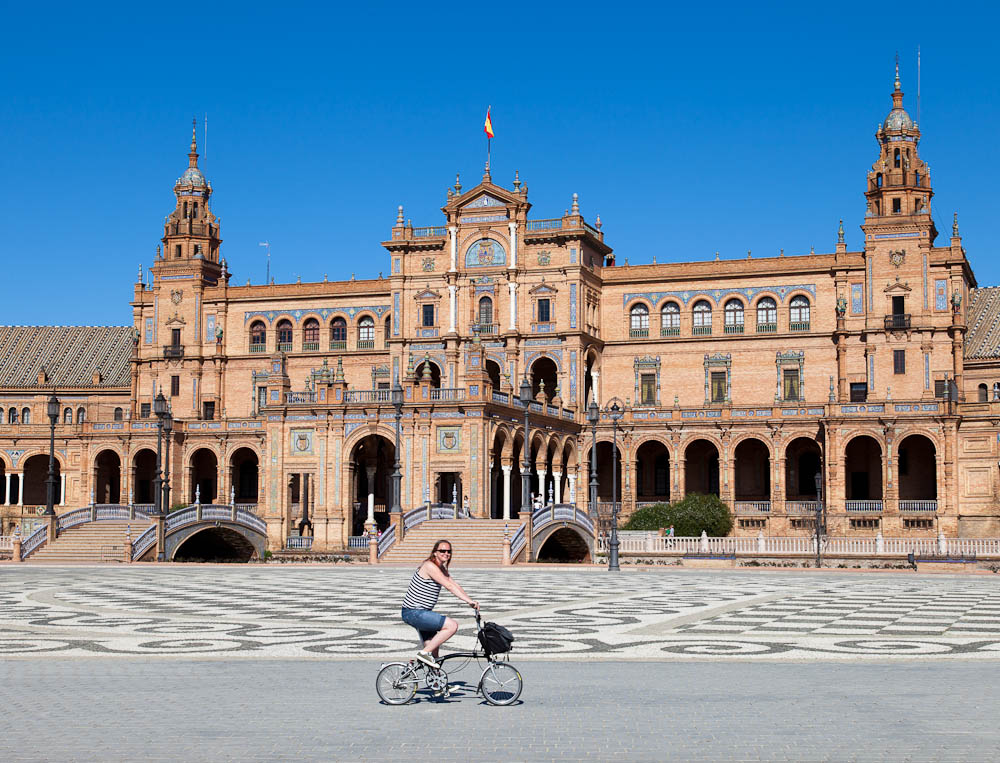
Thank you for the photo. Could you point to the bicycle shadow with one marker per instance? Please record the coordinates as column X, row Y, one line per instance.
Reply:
column 457, row 691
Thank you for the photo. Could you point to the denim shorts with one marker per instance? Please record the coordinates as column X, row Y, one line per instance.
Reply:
column 426, row 622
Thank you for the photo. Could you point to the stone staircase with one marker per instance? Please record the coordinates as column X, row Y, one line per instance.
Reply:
column 475, row 541
column 90, row 542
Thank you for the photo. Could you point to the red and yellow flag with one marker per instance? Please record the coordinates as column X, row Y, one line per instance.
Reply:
column 488, row 127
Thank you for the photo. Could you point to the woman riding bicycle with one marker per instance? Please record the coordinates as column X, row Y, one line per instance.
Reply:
column 422, row 596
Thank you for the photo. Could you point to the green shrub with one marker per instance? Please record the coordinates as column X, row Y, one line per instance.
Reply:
column 689, row 516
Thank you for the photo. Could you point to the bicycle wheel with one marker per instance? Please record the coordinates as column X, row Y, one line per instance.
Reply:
column 396, row 683
column 501, row 683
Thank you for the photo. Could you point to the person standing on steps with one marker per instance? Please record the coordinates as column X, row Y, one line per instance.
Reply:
column 422, row 596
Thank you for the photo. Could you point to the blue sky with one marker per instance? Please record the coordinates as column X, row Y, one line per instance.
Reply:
column 691, row 130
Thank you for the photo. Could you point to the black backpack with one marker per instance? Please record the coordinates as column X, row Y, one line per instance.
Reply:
column 495, row 639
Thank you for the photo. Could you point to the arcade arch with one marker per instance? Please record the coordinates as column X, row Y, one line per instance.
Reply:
column 863, row 469
column 107, row 477
column 701, row 468
column 204, row 471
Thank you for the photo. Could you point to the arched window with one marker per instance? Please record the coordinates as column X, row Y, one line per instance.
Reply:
column 486, row 314
column 119, row 414
column 258, row 337
column 895, row 159
column 81, row 415
column 878, row 180
column 285, row 335
column 734, row 317
column 638, row 321
column 25, row 415
column 388, row 329
column 67, row 416
column 12, row 416
column 767, row 315
column 670, row 320
column 798, row 314
column 338, row 334
column 310, row 334
column 984, row 393
column 366, row 333
column 702, row 323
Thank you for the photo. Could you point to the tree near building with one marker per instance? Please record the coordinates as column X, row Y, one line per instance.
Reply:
column 689, row 516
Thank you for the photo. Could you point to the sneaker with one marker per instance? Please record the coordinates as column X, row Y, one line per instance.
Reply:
column 427, row 659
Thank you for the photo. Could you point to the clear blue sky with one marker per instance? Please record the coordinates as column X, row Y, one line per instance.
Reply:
column 690, row 129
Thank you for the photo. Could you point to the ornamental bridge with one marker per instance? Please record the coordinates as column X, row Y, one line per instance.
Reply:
column 133, row 533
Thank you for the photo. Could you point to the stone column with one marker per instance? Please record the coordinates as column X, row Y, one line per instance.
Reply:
column 512, row 287
column 370, row 472
column 506, row 490
column 6, row 499
column 451, row 306
column 572, row 487
column 595, row 385
column 62, row 490
column 541, row 480
column 513, row 243
column 452, row 233
column 557, row 482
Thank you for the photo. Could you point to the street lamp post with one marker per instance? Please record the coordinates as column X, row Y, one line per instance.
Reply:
column 52, row 408
column 160, row 409
column 168, row 428
column 525, row 397
column 397, row 475
column 593, row 416
column 615, row 411
column 819, row 515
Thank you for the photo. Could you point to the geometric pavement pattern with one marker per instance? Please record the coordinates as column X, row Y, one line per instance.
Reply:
column 343, row 612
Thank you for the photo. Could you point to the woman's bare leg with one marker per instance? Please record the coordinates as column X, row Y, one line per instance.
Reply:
column 448, row 630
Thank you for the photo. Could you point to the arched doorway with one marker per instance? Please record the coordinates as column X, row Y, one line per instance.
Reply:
column 204, row 476
column 497, row 477
column 435, row 373
column 917, row 464
column 752, row 478
column 107, row 477
column 863, row 469
column 144, row 470
column 36, row 470
column 701, row 468
column 493, row 371
column 544, row 375
column 371, row 475
column 564, row 545
column 652, row 473
column 803, row 461
column 215, row 544
column 243, row 471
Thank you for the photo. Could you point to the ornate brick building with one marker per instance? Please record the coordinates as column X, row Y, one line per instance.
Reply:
column 876, row 369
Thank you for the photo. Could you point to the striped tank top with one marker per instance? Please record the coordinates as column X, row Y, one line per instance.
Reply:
column 422, row 594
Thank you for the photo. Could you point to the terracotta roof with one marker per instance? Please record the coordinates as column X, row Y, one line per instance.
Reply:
column 70, row 354
column 983, row 337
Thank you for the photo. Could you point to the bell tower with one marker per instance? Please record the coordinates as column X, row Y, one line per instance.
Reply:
column 191, row 231
column 899, row 188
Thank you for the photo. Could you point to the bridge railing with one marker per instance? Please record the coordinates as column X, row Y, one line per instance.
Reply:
column 143, row 542
column 414, row 517
column 560, row 512
column 387, row 539
column 517, row 542
column 72, row 519
column 33, row 541
column 357, row 541
column 216, row 512
column 251, row 520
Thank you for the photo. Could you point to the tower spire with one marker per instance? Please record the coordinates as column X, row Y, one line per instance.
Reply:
column 193, row 154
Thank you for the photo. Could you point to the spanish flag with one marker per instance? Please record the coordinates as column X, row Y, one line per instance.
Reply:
column 488, row 127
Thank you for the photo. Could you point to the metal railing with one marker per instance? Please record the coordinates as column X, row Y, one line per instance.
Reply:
column 338, row 344
column 298, row 542
column 429, row 232
column 143, row 542
column 634, row 333
column 258, row 348
column 897, row 321
column 918, row 506
column 733, row 328
column 173, row 351
column 310, row 346
column 767, row 328
column 592, row 230
column 863, row 507
column 366, row 344
column 485, row 329
column 701, row 330
column 798, row 326
column 670, row 331
column 284, row 346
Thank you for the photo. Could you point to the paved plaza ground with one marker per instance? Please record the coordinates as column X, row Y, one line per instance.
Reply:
column 263, row 663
